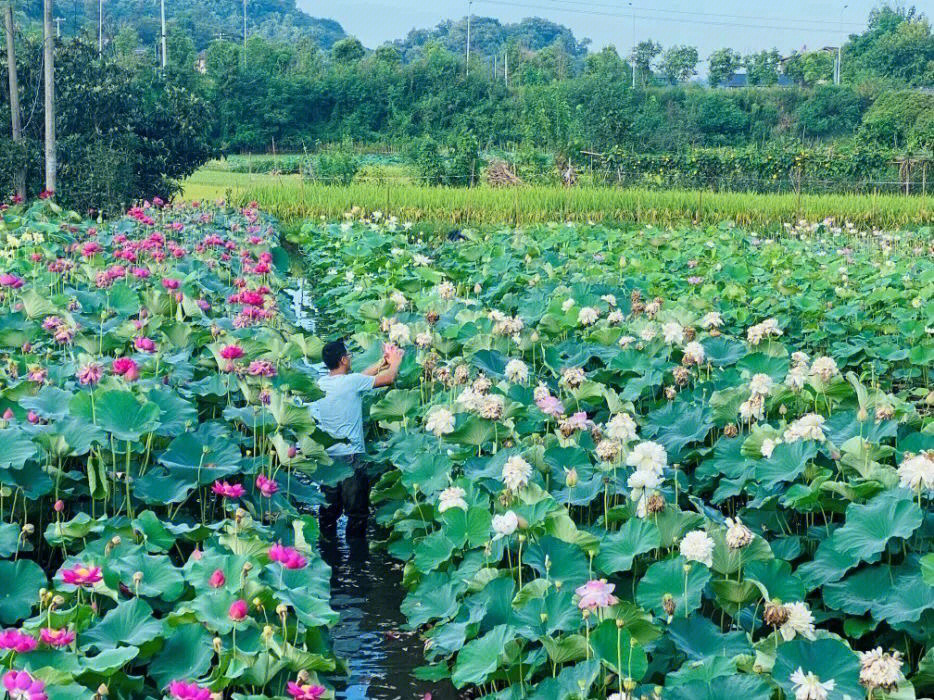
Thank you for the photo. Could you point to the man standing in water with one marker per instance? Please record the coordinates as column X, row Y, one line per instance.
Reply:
column 340, row 414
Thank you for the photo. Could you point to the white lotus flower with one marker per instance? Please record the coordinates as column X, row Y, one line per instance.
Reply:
column 491, row 407
column 626, row 341
column 648, row 333
column 796, row 377
column 807, row 427
column 768, row 446
column 825, row 368
column 398, row 298
column 516, row 473
column 710, row 320
column 446, row 290
column 609, row 299
column 517, row 371
column 615, row 317
column 648, row 456
column 694, row 353
column 505, row 524
column 800, row 621
column 400, row 334
column 587, row 316
column 421, row 260
column 439, row 421
column 452, row 497
column 698, row 546
column 809, row 687
column 760, row 384
column 880, row 670
column 673, row 333
column 917, row 471
column 641, row 479
column 423, row 340
column 567, row 305
column 621, row 427
column 470, row 399
column 573, row 377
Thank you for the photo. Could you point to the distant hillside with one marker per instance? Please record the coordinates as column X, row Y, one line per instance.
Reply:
column 489, row 37
column 202, row 20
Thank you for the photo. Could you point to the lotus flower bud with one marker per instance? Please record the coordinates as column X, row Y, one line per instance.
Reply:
column 629, row 685
column 303, row 676
column 137, row 578
column 247, row 568
column 267, row 632
column 57, row 601
column 571, row 478
column 782, row 410
column 218, row 645
column 59, row 506
column 620, row 623
column 861, row 414
column 257, row 603
column 282, row 609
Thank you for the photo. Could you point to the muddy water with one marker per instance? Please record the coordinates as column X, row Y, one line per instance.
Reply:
column 366, row 589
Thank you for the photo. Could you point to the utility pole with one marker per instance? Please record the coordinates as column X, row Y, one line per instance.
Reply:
column 100, row 28
column 19, row 178
column 469, row 14
column 244, row 29
column 507, row 66
column 838, row 69
column 48, row 50
column 162, row 13
column 58, row 27
column 632, row 10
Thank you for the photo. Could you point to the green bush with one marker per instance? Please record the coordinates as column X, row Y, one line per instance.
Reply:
column 338, row 168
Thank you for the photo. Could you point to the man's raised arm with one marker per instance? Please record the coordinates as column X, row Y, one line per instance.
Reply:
column 393, row 358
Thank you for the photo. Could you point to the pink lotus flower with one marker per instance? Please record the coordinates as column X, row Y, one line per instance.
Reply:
column 288, row 557
column 140, row 272
column 217, row 579
column 21, row 686
column 550, row 405
column 266, row 486
column 170, row 283
column 90, row 249
column 125, row 367
column 32, row 417
column 596, row 594
column 10, row 280
column 82, row 575
column 144, row 344
column 238, row 610
column 300, row 691
column 90, row 374
column 262, row 368
column 51, row 323
column 227, row 490
column 181, row 690
column 17, row 641
column 56, row 638
column 8, row 414
column 231, row 352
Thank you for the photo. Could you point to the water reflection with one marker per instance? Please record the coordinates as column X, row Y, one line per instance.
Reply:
column 366, row 589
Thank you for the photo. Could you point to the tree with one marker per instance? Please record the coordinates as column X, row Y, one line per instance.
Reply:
column 830, row 110
column 19, row 178
column 607, row 64
column 348, row 51
column 810, row 68
column 723, row 64
column 679, row 63
column 762, row 67
column 643, row 55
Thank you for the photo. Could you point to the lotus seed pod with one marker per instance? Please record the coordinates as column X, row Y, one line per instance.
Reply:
column 730, row 430
column 668, row 605
column 28, row 529
column 303, row 676
column 247, row 568
column 218, row 645
column 103, row 690
column 571, row 479
column 267, row 632
column 775, row 614
column 282, row 609
column 629, row 685
column 655, row 503
column 137, row 577
column 115, row 540
column 58, row 600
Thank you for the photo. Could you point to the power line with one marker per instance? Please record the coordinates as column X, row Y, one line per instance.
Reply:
column 599, row 13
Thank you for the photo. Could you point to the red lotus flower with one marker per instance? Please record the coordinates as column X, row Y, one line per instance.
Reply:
column 144, row 344
column 82, row 575
column 126, row 368
column 266, row 486
column 227, row 490
column 170, row 283
column 21, row 686
column 10, row 280
column 288, row 557
column 238, row 610
column 181, row 690
column 17, row 641
column 217, row 579
column 231, row 352
column 304, row 691
column 56, row 638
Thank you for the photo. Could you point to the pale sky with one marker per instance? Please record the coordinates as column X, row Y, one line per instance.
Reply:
column 745, row 25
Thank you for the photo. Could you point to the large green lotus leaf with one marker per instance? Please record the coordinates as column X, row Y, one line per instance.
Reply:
column 548, row 614
column 480, row 657
column 491, row 362
column 745, row 686
column 788, row 460
column 870, row 526
column 19, row 593
column 72, row 437
column 828, row 659
column 109, row 660
column 157, row 537
column 212, row 607
column 472, row 430
column 123, row 300
column 175, row 414
column 432, row 551
column 701, row 640
column 435, row 598
column 120, row 413
column 927, row 569
column 668, row 578
column 675, row 426
column 187, row 654
column 201, row 457
column 471, row 527
column 17, row 448
column 729, row 561
column 613, row 646
column 396, row 405
column 130, row 623
column 566, row 563
column 571, row 683
column 775, row 580
column 829, row 564
column 618, row 549
column 310, row 609
column 762, row 363
column 10, row 539
column 50, row 403
column 843, row 425
column 159, row 578
column 707, row 670
column 722, row 351
column 902, row 599
column 430, row 471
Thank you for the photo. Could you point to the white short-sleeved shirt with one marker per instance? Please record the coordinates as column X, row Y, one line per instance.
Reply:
column 340, row 412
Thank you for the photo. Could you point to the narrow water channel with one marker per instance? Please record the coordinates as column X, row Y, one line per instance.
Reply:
column 366, row 590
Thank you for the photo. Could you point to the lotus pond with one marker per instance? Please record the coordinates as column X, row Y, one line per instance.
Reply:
column 619, row 462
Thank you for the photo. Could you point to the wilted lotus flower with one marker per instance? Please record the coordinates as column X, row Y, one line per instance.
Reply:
column 737, row 534
column 517, row 371
column 880, row 670
column 90, row 374
column 596, row 594
column 809, row 687
column 439, row 421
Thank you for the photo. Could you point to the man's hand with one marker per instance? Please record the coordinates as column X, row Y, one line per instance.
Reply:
column 392, row 356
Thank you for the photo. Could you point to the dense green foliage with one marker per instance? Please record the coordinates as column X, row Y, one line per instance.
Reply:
column 123, row 134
